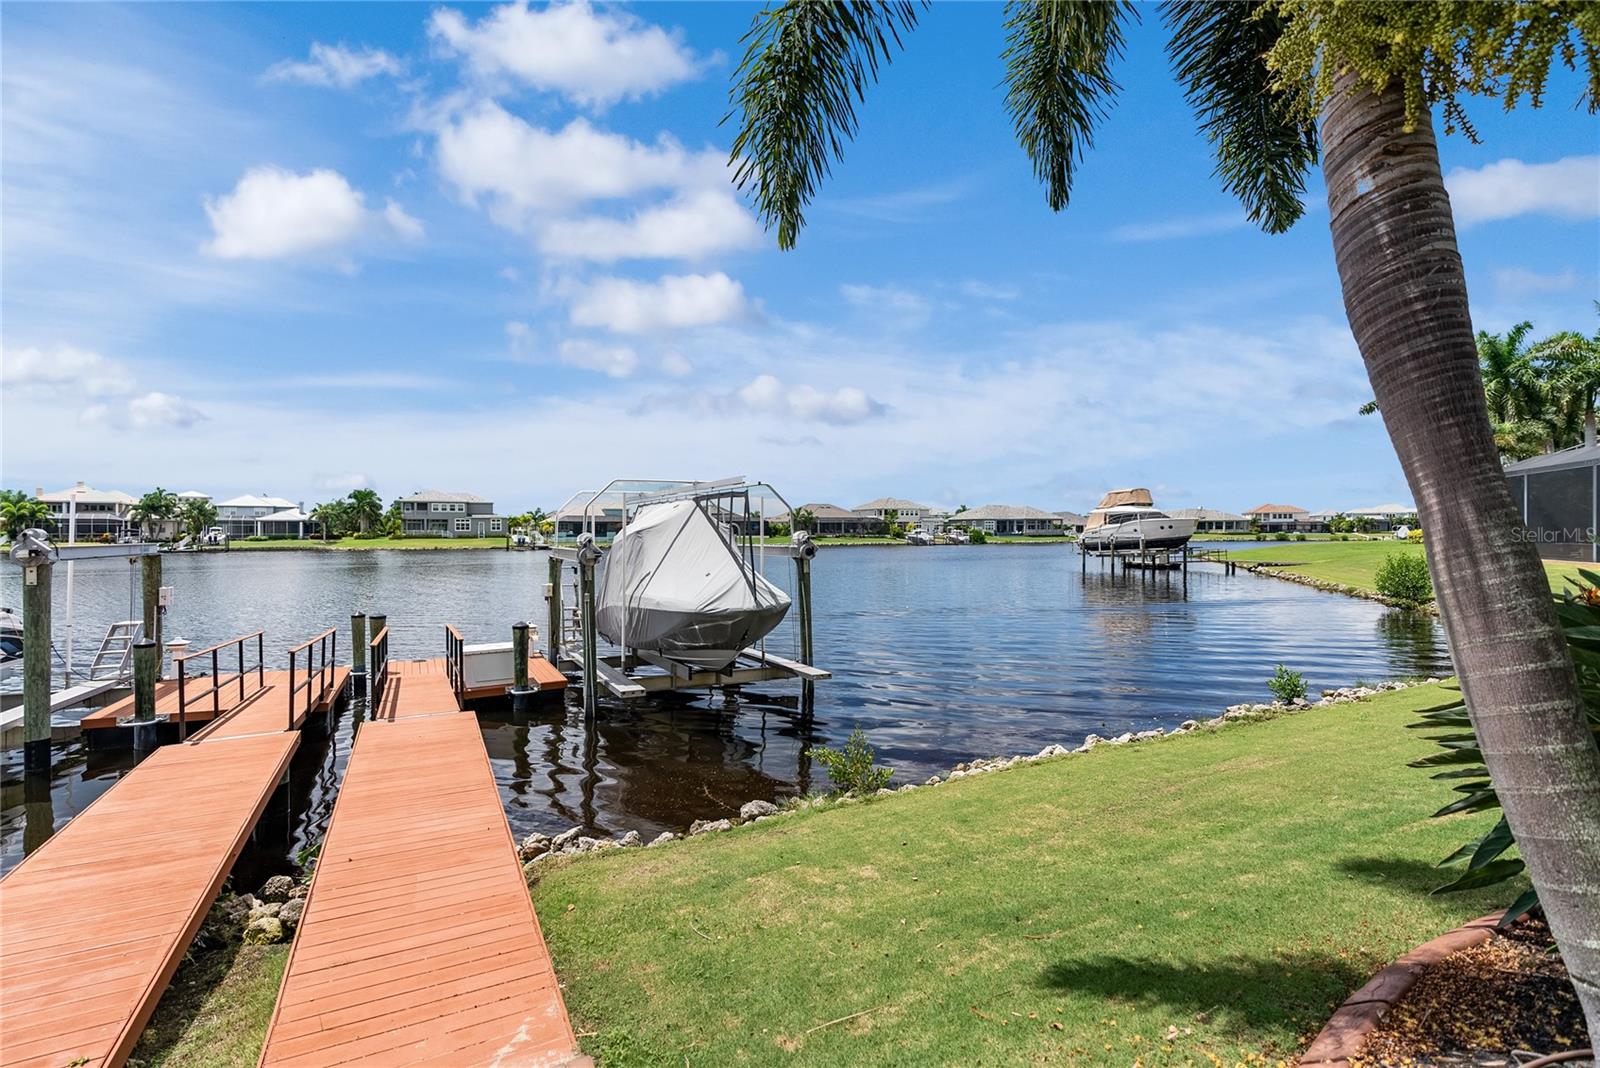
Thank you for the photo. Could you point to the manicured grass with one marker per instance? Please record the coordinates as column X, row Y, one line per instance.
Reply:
column 1355, row 563
column 1173, row 902
column 337, row 544
column 1349, row 563
column 215, row 1013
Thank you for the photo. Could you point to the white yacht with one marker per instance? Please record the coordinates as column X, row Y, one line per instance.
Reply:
column 1127, row 520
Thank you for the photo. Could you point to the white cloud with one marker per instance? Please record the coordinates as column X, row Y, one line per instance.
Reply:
column 980, row 290
column 594, row 58
column 614, row 361
column 62, row 369
column 676, row 301
column 1190, row 226
column 146, row 411
column 340, row 483
column 522, row 168
column 691, row 226
column 1567, row 188
column 676, row 364
column 770, row 396
column 334, row 66
column 888, row 302
column 404, row 225
column 1524, row 281
column 275, row 213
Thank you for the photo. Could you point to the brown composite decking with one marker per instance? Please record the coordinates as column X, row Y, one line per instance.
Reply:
column 94, row 923
column 201, row 711
column 268, row 709
column 419, row 943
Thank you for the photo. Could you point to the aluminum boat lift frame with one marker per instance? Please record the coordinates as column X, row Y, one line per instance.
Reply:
column 572, row 638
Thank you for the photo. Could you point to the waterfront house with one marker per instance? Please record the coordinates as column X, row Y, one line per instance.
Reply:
column 1280, row 518
column 833, row 521
column 237, row 515
column 1558, row 498
column 1213, row 521
column 1070, row 522
column 1008, row 519
column 606, row 516
column 909, row 514
column 88, row 512
column 289, row 523
column 438, row 514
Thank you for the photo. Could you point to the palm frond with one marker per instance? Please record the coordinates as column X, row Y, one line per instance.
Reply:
column 1058, row 60
column 807, row 64
column 1218, row 52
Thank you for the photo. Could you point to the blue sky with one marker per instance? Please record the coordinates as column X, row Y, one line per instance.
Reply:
column 302, row 248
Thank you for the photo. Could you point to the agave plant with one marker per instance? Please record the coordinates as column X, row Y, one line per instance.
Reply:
column 1460, row 759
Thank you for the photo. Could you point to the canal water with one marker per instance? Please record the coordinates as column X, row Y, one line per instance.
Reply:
column 940, row 654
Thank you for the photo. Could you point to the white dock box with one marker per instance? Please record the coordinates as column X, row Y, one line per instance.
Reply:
column 488, row 664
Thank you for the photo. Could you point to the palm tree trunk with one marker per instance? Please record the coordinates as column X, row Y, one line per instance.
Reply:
column 1406, row 297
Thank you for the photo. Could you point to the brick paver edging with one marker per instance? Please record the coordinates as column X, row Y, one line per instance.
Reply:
column 1347, row 1029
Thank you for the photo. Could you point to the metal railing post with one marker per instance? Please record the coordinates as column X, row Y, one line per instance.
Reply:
column 241, row 667
column 292, row 690
column 261, row 660
column 216, row 697
column 183, row 716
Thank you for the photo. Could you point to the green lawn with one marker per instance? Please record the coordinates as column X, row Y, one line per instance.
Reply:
column 215, row 1013
column 337, row 544
column 1355, row 563
column 1173, row 902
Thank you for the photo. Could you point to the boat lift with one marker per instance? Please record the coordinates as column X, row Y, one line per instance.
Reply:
column 572, row 638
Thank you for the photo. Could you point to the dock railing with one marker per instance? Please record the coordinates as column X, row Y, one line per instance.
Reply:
column 455, row 662
column 378, row 665
column 218, row 683
column 321, row 650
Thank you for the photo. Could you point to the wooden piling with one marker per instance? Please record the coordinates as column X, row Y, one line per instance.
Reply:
column 358, row 645
column 552, row 640
column 150, row 576
column 519, row 655
column 36, row 582
column 146, row 662
column 591, row 673
column 802, row 587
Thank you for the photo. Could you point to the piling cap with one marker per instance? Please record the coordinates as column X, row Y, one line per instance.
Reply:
column 144, row 643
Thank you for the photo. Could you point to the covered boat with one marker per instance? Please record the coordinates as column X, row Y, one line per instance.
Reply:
column 1126, row 520
column 675, row 584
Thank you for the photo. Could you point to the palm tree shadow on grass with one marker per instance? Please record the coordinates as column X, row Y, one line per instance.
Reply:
column 1297, row 991
column 1402, row 874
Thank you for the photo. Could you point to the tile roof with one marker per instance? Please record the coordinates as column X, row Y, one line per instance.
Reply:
column 899, row 504
column 88, row 495
column 1004, row 511
column 440, row 497
column 250, row 500
column 1211, row 514
column 1258, row 509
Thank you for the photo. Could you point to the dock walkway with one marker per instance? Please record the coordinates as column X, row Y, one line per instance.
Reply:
column 419, row 943
column 93, row 924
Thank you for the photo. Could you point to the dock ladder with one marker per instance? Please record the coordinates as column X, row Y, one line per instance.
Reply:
column 114, row 659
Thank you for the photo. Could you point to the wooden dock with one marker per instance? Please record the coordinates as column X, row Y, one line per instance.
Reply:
column 94, row 923
column 419, row 942
column 264, row 707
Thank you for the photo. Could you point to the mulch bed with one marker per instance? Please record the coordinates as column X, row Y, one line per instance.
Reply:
column 1494, row 1005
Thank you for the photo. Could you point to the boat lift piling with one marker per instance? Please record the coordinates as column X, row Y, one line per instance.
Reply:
column 36, row 554
column 358, row 652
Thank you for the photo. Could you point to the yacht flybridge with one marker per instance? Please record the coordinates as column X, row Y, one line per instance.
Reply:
column 1126, row 520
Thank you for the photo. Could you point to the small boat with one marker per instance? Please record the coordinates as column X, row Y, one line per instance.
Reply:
column 10, row 635
column 1126, row 520
column 675, row 584
column 918, row 537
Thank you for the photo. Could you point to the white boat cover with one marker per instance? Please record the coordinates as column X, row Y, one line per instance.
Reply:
column 674, row 584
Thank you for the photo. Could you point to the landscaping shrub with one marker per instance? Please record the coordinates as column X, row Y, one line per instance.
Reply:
column 1403, row 577
column 1461, row 761
column 851, row 769
column 1287, row 686
column 1414, row 535
column 1299, row 537
column 977, row 537
column 1280, row 536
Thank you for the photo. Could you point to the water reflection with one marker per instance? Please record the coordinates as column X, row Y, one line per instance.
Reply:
column 939, row 654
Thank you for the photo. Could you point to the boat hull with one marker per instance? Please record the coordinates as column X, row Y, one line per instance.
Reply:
column 1149, row 535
